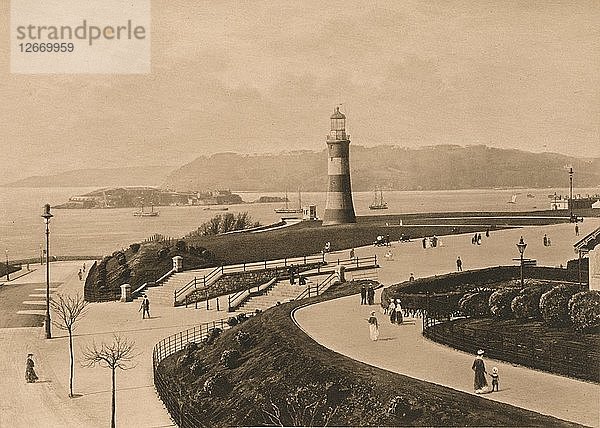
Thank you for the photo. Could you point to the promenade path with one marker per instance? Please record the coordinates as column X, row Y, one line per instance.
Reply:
column 46, row 403
column 341, row 324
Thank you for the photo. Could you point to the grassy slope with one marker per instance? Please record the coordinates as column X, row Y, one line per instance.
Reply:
column 284, row 358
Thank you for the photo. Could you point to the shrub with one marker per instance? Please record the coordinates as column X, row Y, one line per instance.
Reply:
column 217, row 385
column 163, row 253
column 584, row 310
column 135, row 247
column 243, row 339
column 241, row 318
column 181, row 246
column 229, row 358
column 197, row 368
column 213, row 334
column 554, row 305
column 500, row 301
column 475, row 304
column 402, row 407
column 191, row 347
column 527, row 303
column 232, row 321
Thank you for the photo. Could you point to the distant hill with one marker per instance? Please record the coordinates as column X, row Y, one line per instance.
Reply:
column 443, row 167
column 99, row 177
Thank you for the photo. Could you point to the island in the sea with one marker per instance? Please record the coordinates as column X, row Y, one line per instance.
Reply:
column 136, row 196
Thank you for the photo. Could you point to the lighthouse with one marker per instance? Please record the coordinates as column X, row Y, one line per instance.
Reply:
column 339, row 208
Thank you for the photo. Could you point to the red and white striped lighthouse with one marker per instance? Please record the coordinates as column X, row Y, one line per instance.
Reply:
column 339, row 208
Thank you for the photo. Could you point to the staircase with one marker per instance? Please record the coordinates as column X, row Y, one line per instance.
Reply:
column 163, row 294
column 281, row 292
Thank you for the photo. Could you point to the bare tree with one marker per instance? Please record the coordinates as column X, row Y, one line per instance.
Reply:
column 116, row 355
column 68, row 310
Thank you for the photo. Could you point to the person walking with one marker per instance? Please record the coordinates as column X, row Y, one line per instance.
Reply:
column 545, row 240
column 371, row 295
column 373, row 327
column 398, row 312
column 576, row 229
column 392, row 311
column 495, row 379
column 351, row 253
column 424, row 243
column 458, row 264
column 80, row 275
column 30, row 375
column 480, row 382
column 363, row 295
column 145, row 307
column 412, row 277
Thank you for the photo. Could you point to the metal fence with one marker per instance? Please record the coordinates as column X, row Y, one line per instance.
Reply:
column 565, row 357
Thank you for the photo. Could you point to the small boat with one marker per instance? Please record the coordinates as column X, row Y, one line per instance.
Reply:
column 513, row 199
column 216, row 209
column 378, row 203
column 287, row 209
column 142, row 213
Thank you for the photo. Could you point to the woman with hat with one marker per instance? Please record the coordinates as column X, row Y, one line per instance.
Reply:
column 373, row 327
column 30, row 375
column 480, row 382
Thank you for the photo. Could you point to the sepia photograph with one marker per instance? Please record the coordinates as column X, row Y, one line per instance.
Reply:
column 299, row 214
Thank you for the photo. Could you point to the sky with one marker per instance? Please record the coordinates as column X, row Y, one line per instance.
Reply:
column 264, row 76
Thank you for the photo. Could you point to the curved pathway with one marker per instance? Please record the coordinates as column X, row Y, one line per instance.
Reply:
column 341, row 325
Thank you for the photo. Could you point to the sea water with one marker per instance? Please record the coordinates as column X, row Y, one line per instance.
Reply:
column 95, row 232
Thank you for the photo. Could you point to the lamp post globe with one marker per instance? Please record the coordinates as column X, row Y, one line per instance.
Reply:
column 46, row 215
column 521, row 246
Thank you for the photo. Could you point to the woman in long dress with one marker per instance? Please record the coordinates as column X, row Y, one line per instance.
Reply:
column 399, row 318
column 30, row 375
column 480, row 382
column 373, row 327
column 392, row 311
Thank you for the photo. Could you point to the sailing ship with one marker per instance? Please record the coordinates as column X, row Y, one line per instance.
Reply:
column 378, row 203
column 287, row 209
column 513, row 199
column 142, row 213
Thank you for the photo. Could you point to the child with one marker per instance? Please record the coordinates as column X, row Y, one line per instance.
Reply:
column 495, row 379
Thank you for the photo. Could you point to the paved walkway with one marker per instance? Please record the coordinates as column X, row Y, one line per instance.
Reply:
column 341, row 325
column 47, row 404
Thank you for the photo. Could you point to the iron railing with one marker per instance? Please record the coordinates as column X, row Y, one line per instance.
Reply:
column 206, row 280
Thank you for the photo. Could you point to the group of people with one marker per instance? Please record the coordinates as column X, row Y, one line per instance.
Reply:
column 546, row 241
column 293, row 272
column 395, row 311
column 480, row 382
column 367, row 295
column 432, row 242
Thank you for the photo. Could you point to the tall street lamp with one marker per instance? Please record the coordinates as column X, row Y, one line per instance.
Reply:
column 521, row 246
column 571, row 194
column 7, row 278
column 47, row 216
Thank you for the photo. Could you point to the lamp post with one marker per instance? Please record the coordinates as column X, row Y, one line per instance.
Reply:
column 41, row 255
column 521, row 246
column 571, row 194
column 7, row 277
column 47, row 216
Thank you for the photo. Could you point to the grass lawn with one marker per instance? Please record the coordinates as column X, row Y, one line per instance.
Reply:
column 286, row 377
